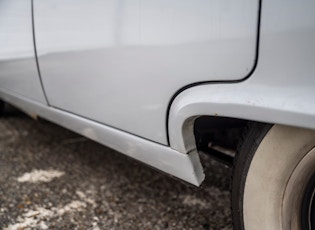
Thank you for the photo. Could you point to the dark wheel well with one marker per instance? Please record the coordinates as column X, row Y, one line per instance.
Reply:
column 238, row 139
column 219, row 136
column 1, row 106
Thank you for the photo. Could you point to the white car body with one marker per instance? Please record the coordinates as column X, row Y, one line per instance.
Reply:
column 134, row 75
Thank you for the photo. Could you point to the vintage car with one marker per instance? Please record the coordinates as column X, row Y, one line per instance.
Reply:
column 162, row 81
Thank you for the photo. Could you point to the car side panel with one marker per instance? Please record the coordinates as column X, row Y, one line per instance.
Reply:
column 119, row 62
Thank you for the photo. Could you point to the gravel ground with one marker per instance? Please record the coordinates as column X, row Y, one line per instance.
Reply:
column 52, row 178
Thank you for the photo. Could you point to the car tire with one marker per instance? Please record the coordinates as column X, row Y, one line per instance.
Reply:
column 273, row 181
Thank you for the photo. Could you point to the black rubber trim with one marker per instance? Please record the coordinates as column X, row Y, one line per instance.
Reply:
column 308, row 203
column 35, row 51
column 218, row 82
column 251, row 139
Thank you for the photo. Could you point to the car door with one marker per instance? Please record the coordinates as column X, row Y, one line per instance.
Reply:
column 18, row 70
column 119, row 62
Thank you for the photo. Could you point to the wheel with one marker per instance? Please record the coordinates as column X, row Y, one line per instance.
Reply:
column 274, row 179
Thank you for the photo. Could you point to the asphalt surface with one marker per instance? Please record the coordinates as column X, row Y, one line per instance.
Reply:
column 51, row 178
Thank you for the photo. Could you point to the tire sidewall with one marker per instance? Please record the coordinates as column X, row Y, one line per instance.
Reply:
column 265, row 161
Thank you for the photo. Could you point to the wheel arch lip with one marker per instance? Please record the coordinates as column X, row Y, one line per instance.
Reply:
column 279, row 90
column 278, row 104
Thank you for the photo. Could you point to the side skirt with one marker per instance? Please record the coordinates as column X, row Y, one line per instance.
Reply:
column 183, row 166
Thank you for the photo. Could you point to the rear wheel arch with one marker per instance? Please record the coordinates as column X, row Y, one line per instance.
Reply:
column 268, row 168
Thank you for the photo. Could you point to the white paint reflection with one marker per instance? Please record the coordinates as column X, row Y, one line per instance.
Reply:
column 79, row 24
column 16, row 38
